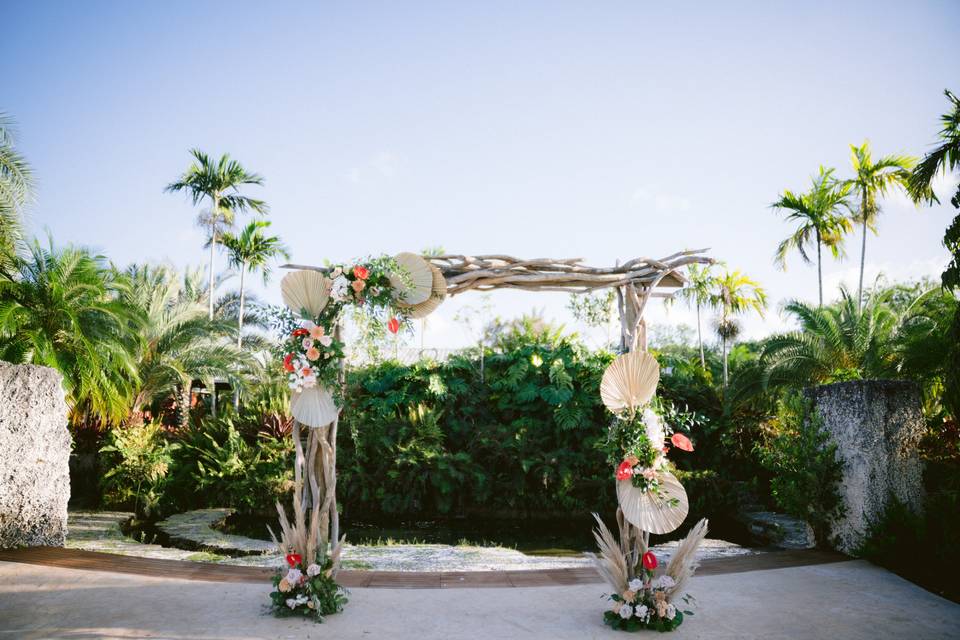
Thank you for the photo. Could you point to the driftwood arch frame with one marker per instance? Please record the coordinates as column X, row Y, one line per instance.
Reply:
column 635, row 281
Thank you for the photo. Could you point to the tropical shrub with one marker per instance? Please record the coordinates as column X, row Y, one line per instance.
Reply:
column 138, row 459
column 215, row 465
column 804, row 466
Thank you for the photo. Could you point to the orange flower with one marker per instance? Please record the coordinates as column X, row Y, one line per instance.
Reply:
column 313, row 353
column 316, row 332
column 358, row 285
column 633, row 460
column 360, row 272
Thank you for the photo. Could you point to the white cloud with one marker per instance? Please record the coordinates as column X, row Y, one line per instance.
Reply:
column 888, row 272
column 944, row 185
column 662, row 202
column 383, row 165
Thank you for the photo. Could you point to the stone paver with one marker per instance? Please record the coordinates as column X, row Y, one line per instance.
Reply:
column 100, row 531
column 195, row 530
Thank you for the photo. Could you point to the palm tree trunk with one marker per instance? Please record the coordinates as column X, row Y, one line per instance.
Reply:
column 213, row 246
column 863, row 257
column 723, row 339
column 243, row 272
column 703, row 362
column 819, row 270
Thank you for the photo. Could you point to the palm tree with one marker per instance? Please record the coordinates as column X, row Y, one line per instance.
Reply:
column 834, row 343
column 250, row 251
column 946, row 157
column 734, row 294
column 700, row 282
column 943, row 158
column 873, row 180
column 219, row 182
column 179, row 343
column 820, row 218
column 62, row 310
column 16, row 190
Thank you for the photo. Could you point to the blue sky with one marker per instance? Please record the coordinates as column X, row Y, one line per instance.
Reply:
column 595, row 130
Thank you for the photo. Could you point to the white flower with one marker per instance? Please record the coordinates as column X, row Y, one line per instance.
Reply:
column 336, row 272
column 325, row 340
column 654, row 428
column 294, row 575
column 664, row 582
column 291, row 603
column 671, row 611
column 307, row 343
column 626, row 611
column 641, row 611
column 635, row 585
column 341, row 288
column 314, row 570
column 302, row 600
column 308, row 324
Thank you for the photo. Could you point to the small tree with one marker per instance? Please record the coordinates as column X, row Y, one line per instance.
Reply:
column 252, row 250
column 820, row 213
column 734, row 294
column 700, row 282
column 219, row 182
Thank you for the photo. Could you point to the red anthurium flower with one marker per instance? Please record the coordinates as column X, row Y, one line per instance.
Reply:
column 361, row 273
column 300, row 332
column 649, row 561
column 287, row 363
column 625, row 470
column 681, row 441
column 293, row 559
column 393, row 325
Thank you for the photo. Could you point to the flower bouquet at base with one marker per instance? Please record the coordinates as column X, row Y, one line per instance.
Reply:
column 643, row 597
column 307, row 589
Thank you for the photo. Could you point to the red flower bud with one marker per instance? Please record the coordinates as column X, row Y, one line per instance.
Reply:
column 681, row 441
column 649, row 561
column 293, row 559
column 300, row 332
column 625, row 470
column 393, row 325
column 287, row 363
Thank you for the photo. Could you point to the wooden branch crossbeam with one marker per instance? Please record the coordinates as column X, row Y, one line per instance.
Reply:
column 570, row 275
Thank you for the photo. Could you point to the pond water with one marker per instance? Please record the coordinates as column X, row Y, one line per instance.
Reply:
column 554, row 537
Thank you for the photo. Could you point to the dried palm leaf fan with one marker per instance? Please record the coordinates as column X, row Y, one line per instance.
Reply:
column 651, row 512
column 313, row 407
column 305, row 292
column 437, row 294
column 419, row 279
column 630, row 381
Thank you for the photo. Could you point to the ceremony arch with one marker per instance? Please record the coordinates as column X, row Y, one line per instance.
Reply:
column 315, row 530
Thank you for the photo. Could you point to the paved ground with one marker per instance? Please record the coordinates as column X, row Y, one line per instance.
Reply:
column 841, row 600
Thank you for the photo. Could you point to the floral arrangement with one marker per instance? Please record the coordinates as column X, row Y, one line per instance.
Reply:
column 312, row 349
column 645, row 604
column 644, row 598
column 307, row 589
column 638, row 448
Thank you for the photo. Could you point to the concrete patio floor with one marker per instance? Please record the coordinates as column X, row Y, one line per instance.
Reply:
column 841, row 600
